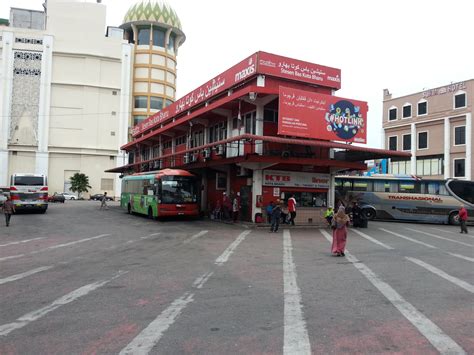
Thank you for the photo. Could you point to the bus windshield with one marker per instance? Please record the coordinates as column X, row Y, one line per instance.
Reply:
column 28, row 181
column 463, row 189
column 178, row 189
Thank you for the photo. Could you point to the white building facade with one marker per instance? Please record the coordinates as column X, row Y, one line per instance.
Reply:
column 65, row 97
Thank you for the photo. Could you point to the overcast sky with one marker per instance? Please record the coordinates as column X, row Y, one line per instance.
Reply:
column 403, row 45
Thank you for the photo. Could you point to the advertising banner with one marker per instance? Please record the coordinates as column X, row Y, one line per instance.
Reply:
column 294, row 69
column 223, row 81
column 313, row 115
column 295, row 179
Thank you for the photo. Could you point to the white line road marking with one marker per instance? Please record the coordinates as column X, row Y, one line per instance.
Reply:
column 296, row 339
column 363, row 235
column 24, row 274
column 442, row 342
column 200, row 281
column 456, row 233
column 70, row 297
column 439, row 237
column 21, row 241
column 144, row 342
column 462, row 257
column 55, row 247
column 151, row 235
column 12, row 257
column 441, row 273
column 230, row 249
column 408, row 238
column 200, row 234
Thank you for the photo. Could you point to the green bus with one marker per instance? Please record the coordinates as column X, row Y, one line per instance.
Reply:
column 163, row 193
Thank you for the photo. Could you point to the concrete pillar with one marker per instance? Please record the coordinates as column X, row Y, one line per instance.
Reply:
column 259, row 127
column 447, row 148
column 413, row 149
column 42, row 155
column 468, row 165
column 332, row 190
column 257, row 182
column 204, row 185
column 6, row 85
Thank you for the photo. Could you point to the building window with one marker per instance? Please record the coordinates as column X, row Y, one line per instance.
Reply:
column 171, row 42
column 221, row 181
column 392, row 143
column 144, row 36
column 407, row 142
column 167, row 145
column 141, row 101
column 400, row 167
column 392, row 114
column 422, row 140
column 407, row 111
column 137, row 119
column 422, row 108
column 158, row 37
column 460, row 100
column 459, row 167
column 460, row 135
column 218, row 132
column 106, row 184
column 197, row 139
column 180, row 140
column 270, row 115
column 168, row 102
column 429, row 166
column 156, row 103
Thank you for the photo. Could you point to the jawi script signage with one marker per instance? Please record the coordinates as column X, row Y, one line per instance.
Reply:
column 295, row 179
column 319, row 116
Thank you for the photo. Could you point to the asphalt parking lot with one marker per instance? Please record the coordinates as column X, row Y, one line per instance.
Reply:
column 78, row 280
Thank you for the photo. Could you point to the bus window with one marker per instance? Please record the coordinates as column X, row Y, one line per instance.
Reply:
column 409, row 187
column 463, row 189
column 347, row 185
column 435, row 188
column 363, row 186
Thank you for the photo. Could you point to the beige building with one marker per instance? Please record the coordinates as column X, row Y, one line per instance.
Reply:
column 71, row 87
column 436, row 127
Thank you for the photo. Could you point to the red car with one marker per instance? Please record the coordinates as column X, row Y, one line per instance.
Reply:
column 56, row 198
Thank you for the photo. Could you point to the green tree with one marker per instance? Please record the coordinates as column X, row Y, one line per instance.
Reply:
column 79, row 183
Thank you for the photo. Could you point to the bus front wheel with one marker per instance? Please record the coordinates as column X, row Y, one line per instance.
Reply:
column 453, row 218
column 369, row 213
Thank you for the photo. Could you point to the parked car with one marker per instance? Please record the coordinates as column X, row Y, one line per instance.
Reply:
column 98, row 197
column 68, row 196
column 56, row 198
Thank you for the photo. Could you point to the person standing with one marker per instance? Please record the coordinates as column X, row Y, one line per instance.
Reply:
column 356, row 215
column 339, row 233
column 292, row 209
column 236, row 207
column 8, row 210
column 269, row 210
column 103, row 202
column 276, row 215
column 463, row 219
column 226, row 205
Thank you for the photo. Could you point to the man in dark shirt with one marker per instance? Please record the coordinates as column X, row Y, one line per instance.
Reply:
column 8, row 210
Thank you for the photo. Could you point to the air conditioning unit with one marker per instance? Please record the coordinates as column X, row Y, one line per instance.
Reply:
column 157, row 164
column 206, row 153
column 186, row 159
column 192, row 158
column 242, row 171
column 220, row 150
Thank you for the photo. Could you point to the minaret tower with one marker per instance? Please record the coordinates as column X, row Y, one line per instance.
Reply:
column 155, row 30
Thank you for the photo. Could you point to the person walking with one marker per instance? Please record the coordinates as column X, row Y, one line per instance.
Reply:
column 339, row 234
column 269, row 210
column 236, row 207
column 103, row 202
column 329, row 214
column 463, row 219
column 292, row 209
column 276, row 215
column 8, row 210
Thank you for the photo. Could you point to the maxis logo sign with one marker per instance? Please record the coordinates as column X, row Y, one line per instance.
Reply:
column 245, row 72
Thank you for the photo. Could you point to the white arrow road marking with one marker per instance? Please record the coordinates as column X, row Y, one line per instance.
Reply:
column 441, row 341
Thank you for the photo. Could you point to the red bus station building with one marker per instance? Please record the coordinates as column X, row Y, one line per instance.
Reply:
column 268, row 127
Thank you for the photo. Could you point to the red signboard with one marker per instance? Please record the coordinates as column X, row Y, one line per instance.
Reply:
column 319, row 116
column 294, row 69
column 232, row 76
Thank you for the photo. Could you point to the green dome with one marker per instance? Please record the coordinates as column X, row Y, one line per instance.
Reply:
column 152, row 11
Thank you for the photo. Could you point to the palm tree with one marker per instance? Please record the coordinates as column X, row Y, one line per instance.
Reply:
column 79, row 183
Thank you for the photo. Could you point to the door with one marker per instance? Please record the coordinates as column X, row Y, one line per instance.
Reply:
column 246, row 203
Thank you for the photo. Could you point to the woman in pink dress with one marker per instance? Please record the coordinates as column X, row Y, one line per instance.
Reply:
column 339, row 233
